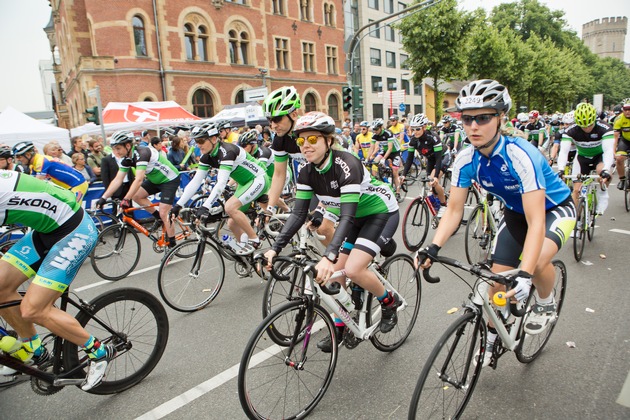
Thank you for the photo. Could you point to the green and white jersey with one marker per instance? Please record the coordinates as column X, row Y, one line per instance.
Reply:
column 35, row 203
column 158, row 169
column 589, row 144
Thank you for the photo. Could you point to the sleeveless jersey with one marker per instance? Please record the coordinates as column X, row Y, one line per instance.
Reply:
column 159, row 170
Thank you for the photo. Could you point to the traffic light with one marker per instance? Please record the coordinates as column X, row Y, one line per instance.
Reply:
column 357, row 94
column 347, row 98
column 92, row 115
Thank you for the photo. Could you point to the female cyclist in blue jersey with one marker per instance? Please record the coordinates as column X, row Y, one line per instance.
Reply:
column 539, row 213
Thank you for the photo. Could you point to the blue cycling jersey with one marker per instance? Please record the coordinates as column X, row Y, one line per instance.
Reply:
column 514, row 168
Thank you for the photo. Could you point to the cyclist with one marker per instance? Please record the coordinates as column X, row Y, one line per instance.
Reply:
column 364, row 204
column 226, row 133
column 363, row 141
column 539, row 213
column 153, row 174
column 281, row 109
column 567, row 121
column 397, row 128
column 430, row 146
column 45, row 167
column 594, row 141
column 450, row 134
column 231, row 161
column 6, row 159
column 622, row 142
column 535, row 129
column 62, row 237
column 249, row 142
column 385, row 147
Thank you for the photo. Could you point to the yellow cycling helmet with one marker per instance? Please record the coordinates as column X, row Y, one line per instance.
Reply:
column 585, row 115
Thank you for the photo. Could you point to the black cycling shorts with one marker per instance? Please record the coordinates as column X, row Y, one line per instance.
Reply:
column 366, row 232
column 585, row 164
column 167, row 191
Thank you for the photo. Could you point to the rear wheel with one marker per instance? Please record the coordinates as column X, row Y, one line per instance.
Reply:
column 117, row 252
column 479, row 235
column 579, row 232
column 415, row 224
column 592, row 212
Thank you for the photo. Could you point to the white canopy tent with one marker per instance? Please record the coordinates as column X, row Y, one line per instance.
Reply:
column 16, row 126
column 249, row 113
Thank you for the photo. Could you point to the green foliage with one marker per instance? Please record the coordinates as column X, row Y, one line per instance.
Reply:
column 612, row 78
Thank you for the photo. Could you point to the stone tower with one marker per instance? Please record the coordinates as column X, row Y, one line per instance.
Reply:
column 606, row 38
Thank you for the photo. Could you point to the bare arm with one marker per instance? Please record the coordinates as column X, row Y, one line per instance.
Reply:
column 115, row 184
column 534, row 206
column 452, row 217
column 137, row 183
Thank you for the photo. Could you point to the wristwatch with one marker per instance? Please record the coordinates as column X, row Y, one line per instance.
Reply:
column 331, row 257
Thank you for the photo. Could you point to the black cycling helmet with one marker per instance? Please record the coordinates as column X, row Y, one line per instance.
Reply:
column 248, row 137
column 121, row 137
column 23, row 147
column 5, row 152
column 484, row 93
column 206, row 130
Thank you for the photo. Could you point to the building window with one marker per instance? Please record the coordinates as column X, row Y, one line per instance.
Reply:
column 377, row 111
column 403, row 61
column 377, row 84
column 373, row 4
column 139, row 37
column 308, row 56
column 388, row 6
column 237, row 1
column 305, row 10
column 333, row 107
column 417, row 90
column 374, row 32
column 331, row 60
column 406, row 86
column 202, row 104
column 282, row 53
column 277, row 7
column 390, row 35
column 375, row 57
column 309, row 103
column 390, row 59
column 196, row 40
column 240, row 97
column 401, row 6
column 239, row 44
column 329, row 14
column 391, row 83
column 417, row 109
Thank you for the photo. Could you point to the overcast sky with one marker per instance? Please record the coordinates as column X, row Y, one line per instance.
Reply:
column 23, row 42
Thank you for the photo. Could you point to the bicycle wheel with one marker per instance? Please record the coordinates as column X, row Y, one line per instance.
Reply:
column 415, row 224
column 117, row 252
column 592, row 213
column 279, row 291
column 627, row 186
column 412, row 174
column 191, row 275
column 579, row 232
column 401, row 194
column 479, row 235
column 287, row 382
column 141, row 333
column 401, row 274
column 103, row 220
column 449, row 375
column 627, row 197
column 530, row 346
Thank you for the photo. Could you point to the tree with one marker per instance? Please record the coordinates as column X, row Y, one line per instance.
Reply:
column 612, row 79
column 435, row 40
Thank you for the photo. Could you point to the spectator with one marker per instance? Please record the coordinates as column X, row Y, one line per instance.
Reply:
column 267, row 138
column 145, row 139
column 78, row 146
column 109, row 170
column 78, row 163
column 179, row 150
column 53, row 149
column 156, row 143
column 95, row 156
column 355, row 132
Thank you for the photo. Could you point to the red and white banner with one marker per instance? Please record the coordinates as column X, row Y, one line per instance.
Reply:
column 146, row 112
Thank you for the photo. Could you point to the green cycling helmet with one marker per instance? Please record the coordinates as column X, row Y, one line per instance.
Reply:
column 585, row 115
column 281, row 102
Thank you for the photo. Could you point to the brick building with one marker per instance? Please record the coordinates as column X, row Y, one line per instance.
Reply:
column 202, row 54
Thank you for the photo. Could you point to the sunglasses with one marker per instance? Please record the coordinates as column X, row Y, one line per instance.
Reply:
column 481, row 119
column 311, row 139
column 276, row 120
column 418, row 129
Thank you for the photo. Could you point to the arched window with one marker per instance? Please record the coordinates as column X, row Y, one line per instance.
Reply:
column 305, row 10
column 333, row 107
column 239, row 47
column 196, row 41
column 240, row 97
column 329, row 14
column 203, row 107
column 139, row 37
column 148, row 99
column 310, row 104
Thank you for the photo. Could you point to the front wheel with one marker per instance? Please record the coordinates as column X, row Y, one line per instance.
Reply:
column 287, row 381
column 135, row 322
column 530, row 346
column 415, row 224
column 117, row 252
column 579, row 232
column 592, row 214
column 401, row 274
column 450, row 373
column 191, row 275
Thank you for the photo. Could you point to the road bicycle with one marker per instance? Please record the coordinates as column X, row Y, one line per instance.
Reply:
column 101, row 218
column 386, row 175
column 117, row 251
column 585, row 213
column 481, row 230
column 422, row 213
column 449, row 375
column 132, row 320
column 627, row 183
column 283, row 374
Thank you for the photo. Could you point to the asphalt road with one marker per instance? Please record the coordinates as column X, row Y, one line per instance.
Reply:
column 197, row 374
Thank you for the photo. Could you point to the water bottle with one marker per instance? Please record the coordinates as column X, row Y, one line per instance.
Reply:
column 13, row 347
column 345, row 299
column 230, row 242
column 435, row 203
column 357, row 296
column 602, row 201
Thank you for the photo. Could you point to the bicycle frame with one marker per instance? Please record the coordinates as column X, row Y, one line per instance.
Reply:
column 126, row 218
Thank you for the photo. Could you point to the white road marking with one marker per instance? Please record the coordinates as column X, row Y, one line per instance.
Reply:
column 627, row 232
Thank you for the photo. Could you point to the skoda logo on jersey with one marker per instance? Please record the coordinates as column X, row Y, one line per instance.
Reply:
column 334, row 185
column 344, row 166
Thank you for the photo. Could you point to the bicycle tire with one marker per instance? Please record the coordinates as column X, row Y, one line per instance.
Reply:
column 280, row 290
column 103, row 220
column 530, row 346
column 13, row 233
column 627, row 198
column 435, row 397
column 415, row 224
column 141, row 319
column 579, row 232
column 186, row 283
column 271, row 383
column 5, row 246
column 626, row 192
column 412, row 174
column 114, row 258
column 402, row 275
column 592, row 210
column 479, row 236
